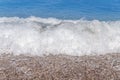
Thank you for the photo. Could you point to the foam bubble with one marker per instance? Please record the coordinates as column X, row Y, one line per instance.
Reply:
column 40, row 36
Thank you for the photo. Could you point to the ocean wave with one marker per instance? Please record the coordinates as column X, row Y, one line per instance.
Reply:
column 38, row 36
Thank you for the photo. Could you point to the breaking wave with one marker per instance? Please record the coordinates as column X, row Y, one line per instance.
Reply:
column 40, row 36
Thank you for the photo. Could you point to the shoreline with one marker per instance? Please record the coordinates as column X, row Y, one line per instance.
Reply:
column 60, row 67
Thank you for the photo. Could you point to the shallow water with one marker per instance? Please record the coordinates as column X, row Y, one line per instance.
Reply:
column 38, row 35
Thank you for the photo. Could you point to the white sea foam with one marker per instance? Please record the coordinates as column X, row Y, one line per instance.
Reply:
column 40, row 36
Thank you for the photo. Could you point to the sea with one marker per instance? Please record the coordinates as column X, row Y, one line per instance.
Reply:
column 71, row 27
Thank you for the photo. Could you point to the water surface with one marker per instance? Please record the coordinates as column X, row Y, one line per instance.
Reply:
column 63, row 9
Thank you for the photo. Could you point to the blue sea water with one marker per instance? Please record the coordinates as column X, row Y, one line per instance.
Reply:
column 98, row 32
column 63, row 9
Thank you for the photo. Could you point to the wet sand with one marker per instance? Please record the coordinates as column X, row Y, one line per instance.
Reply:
column 60, row 67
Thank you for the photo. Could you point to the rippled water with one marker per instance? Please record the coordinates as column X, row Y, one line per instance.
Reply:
column 63, row 9
column 40, row 34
